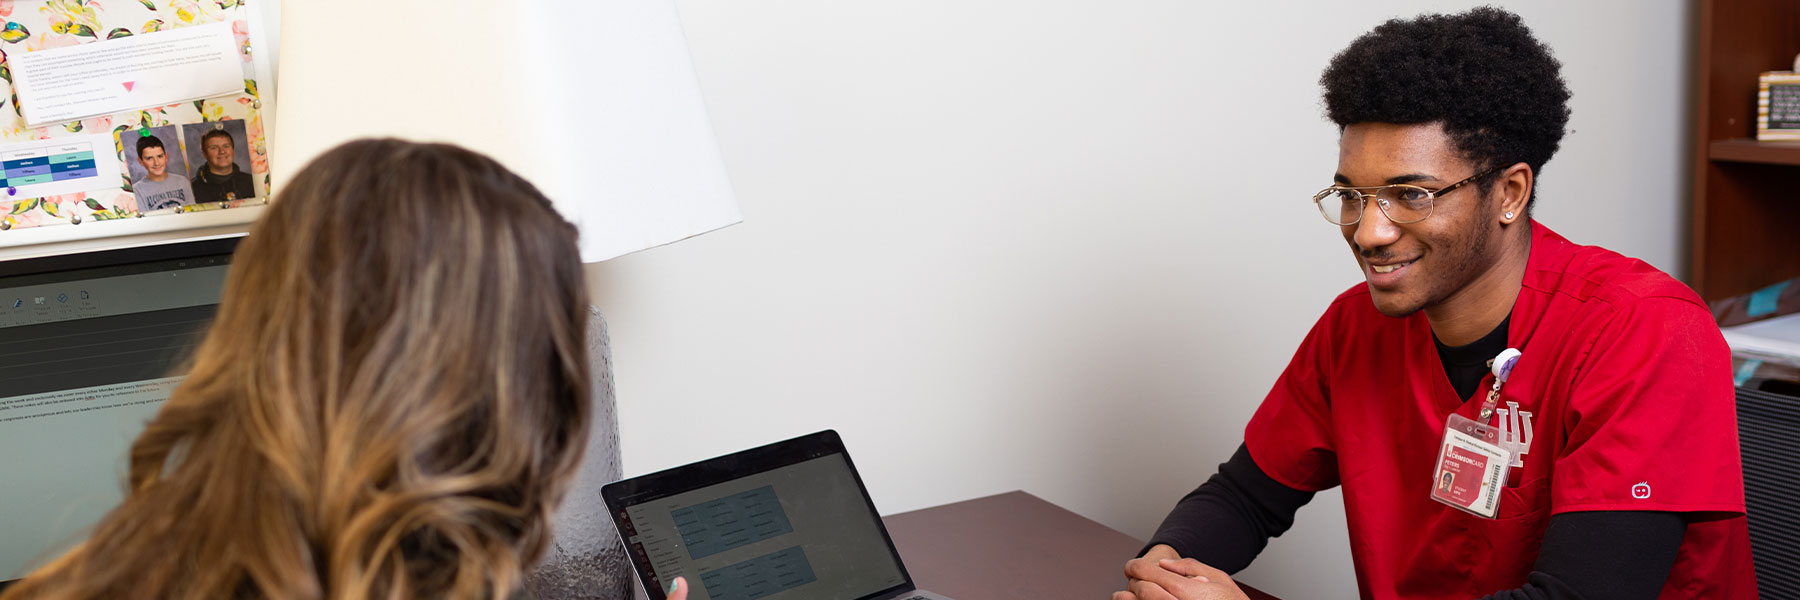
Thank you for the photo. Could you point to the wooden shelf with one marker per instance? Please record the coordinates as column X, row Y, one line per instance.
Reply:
column 1752, row 151
column 1745, row 225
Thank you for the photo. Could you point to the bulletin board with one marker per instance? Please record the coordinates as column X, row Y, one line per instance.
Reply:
column 126, row 117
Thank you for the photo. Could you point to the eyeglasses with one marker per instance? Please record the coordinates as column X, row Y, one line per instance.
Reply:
column 1402, row 203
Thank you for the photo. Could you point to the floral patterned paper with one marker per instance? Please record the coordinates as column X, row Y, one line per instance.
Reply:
column 32, row 25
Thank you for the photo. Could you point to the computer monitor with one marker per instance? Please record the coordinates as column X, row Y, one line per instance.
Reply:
column 90, row 346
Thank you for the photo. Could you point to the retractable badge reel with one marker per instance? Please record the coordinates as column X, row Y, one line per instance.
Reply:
column 1472, row 465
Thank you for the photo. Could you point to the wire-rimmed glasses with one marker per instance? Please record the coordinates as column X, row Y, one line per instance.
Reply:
column 1401, row 202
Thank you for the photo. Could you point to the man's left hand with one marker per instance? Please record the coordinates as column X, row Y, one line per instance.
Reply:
column 1183, row 579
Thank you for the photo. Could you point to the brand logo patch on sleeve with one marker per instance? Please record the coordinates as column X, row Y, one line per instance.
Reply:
column 1641, row 491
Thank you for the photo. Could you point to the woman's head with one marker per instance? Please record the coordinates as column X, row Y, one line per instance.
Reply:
column 390, row 401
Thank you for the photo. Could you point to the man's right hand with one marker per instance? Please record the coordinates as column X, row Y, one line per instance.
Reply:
column 1161, row 574
column 1150, row 558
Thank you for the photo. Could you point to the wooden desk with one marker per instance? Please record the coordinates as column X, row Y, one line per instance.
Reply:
column 1014, row 546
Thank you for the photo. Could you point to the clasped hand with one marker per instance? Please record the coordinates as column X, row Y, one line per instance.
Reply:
column 1163, row 575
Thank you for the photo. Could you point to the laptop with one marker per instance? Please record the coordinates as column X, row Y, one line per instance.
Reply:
column 786, row 521
column 91, row 345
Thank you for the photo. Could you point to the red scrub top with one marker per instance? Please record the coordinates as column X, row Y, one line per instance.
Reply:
column 1629, row 383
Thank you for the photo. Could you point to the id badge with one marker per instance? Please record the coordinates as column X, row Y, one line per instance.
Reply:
column 1471, row 467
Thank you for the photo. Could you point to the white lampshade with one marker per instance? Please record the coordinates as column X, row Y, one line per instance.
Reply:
column 594, row 101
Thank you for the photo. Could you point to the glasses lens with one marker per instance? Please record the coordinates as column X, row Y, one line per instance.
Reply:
column 1341, row 207
column 1405, row 203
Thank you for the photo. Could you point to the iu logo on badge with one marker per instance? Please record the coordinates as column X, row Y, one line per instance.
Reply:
column 1515, row 433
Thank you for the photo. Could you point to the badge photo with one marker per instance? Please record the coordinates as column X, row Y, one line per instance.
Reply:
column 1471, row 468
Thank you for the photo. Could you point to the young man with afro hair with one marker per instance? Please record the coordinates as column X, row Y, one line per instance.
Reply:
column 1617, row 413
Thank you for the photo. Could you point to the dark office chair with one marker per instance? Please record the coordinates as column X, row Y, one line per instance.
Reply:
column 1768, row 423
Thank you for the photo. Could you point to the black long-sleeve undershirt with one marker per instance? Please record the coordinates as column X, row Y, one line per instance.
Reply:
column 1228, row 520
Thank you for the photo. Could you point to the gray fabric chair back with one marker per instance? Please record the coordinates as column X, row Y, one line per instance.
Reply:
column 1766, row 431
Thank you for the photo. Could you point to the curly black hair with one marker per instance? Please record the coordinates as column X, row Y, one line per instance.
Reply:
column 1497, row 91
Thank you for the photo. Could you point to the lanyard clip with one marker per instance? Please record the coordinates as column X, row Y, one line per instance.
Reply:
column 1504, row 362
column 1502, row 366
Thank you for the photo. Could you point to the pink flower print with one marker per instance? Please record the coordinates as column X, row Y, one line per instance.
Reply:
column 126, row 202
column 47, row 41
column 29, row 218
column 50, row 209
column 97, row 124
column 192, row 12
column 259, row 150
column 241, row 30
column 6, row 7
column 62, row 206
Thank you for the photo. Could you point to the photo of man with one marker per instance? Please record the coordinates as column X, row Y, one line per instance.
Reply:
column 219, row 175
column 157, row 179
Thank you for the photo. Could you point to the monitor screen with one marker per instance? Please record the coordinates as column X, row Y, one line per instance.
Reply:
column 90, row 346
column 803, row 531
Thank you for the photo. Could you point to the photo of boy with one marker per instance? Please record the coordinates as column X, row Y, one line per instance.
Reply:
column 158, row 171
column 219, row 173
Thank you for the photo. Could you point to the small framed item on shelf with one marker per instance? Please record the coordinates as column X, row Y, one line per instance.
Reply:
column 1778, row 106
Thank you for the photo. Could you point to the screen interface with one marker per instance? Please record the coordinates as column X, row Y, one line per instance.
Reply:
column 87, row 356
column 799, row 532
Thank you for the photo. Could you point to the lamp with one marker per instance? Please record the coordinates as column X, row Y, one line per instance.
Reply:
column 594, row 101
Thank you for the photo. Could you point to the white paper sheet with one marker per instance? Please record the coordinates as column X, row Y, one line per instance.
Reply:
column 1775, row 339
column 103, row 78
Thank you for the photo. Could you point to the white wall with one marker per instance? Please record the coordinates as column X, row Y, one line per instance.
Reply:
column 1063, row 247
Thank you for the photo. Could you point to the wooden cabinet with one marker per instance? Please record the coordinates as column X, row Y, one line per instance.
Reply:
column 1746, row 202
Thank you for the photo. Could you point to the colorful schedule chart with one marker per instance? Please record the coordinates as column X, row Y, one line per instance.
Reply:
column 44, row 165
column 58, row 166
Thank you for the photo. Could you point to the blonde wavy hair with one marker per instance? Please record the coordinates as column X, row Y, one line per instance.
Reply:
column 389, row 404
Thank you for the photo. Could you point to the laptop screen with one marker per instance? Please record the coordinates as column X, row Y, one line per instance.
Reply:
column 801, row 531
column 90, row 346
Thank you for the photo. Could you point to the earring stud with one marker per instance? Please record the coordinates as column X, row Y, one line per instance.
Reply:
column 1509, row 215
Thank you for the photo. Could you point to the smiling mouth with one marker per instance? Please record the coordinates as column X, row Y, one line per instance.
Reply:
column 1388, row 268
